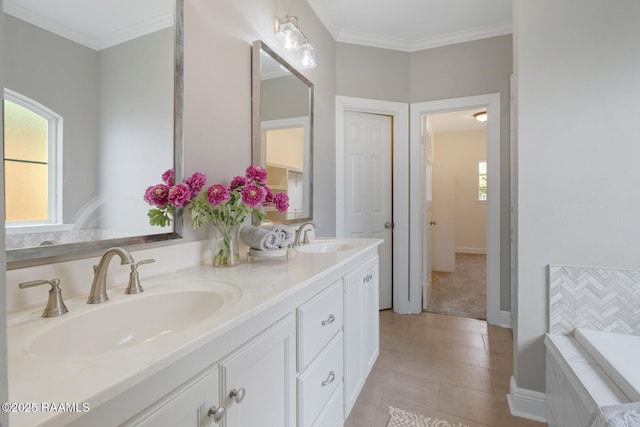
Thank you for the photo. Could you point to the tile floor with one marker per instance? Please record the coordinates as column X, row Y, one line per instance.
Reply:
column 439, row 366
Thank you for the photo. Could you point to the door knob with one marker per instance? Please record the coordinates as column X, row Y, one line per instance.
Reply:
column 388, row 224
column 432, row 223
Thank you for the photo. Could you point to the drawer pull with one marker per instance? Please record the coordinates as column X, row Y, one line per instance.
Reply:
column 237, row 395
column 329, row 321
column 330, row 379
column 217, row 413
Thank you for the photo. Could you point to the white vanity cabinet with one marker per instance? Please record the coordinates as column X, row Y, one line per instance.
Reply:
column 361, row 328
column 293, row 350
column 320, row 357
column 187, row 406
column 257, row 384
column 258, row 380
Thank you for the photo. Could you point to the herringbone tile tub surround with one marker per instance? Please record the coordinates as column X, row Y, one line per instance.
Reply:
column 595, row 298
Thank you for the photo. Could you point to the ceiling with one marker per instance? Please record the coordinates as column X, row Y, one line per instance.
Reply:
column 411, row 25
column 456, row 121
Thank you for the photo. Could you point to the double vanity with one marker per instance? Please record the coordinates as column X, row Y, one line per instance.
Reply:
column 272, row 342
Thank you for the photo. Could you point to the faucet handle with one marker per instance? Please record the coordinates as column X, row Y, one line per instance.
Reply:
column 55, row 305
column 134, row 286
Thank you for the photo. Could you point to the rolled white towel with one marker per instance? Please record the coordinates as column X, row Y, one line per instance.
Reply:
column 283, row 233
column 258, row 238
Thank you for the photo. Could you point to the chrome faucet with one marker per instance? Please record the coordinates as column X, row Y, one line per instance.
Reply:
column 305, row 240
column 98, row 292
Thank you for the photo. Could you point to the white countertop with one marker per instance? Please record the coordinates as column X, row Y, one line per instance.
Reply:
column 97, row 379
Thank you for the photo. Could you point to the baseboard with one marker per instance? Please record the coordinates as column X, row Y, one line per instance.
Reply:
column 469, row 250
column 505, row 319
column 525, row 403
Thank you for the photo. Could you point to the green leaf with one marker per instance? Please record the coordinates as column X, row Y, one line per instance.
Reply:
column 159, row 217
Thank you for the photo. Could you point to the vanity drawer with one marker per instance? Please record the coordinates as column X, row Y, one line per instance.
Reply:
column 318, row 384
column 333, row 414
column 319, row 319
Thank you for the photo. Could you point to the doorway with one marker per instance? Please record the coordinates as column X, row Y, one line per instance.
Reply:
column 455, row 223
column 419, row 144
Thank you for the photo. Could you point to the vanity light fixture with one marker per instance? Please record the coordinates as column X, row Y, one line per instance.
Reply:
column 293, row 39
column 481, row 116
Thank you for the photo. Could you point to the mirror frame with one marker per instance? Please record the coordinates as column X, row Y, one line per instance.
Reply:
column 257, row 157
column 84, row 249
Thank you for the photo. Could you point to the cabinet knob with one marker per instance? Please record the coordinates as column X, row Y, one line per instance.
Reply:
column 329, row 320
column 237, row 395
column 330, row 379
column 217, row 413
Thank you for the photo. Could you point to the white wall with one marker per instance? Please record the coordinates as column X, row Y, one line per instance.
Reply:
column 578, row 89
column 463, row 150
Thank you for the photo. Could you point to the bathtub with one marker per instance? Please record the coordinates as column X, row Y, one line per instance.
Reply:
column 617, row 354
column 589, row 370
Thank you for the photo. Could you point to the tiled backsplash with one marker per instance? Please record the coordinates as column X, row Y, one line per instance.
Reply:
column 595, row 298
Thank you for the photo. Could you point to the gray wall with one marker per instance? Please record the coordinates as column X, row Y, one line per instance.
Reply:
column 218, row 38
column 464, row 69
column 578, row 89
column 283, row 98
column 41, row 66
column 136, row 127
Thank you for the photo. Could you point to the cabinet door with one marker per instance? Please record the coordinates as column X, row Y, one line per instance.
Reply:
column 188, row 406
column 259, row 379
column 371, row 314
column 354, row 363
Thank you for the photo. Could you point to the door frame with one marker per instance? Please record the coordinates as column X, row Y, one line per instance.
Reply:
column 399, row 111
column 492, row 103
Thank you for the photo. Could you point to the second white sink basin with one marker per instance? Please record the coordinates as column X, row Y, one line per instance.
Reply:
column 132, row 320
column 329, row 246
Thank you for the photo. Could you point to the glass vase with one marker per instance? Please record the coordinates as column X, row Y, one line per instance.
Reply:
column 227, row 253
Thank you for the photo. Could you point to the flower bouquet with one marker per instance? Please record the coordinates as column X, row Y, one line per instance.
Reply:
column 226, row 207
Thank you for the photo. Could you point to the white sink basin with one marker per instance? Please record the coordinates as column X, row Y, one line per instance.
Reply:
column 331, row 246
column 132, row 320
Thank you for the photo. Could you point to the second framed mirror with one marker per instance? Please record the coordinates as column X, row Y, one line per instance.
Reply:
column 282, row 131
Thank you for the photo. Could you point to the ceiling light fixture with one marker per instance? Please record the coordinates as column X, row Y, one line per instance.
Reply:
column 293, row 39
column 481, row 116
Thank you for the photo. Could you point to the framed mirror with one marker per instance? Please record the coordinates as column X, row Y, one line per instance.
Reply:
column 282, row 131
column 92, row 117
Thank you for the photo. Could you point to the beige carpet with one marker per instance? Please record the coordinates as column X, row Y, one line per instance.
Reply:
column 400, row 418
column 464, row 292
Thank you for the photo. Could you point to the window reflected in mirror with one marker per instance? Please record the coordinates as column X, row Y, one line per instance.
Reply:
column 31, row 141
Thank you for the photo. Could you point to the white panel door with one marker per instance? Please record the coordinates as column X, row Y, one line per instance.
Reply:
column 426, row 236
column 368, row 148
column 443, row 254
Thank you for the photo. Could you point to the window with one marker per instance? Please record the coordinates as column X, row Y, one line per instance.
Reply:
column 32, row 143
column 482, row 180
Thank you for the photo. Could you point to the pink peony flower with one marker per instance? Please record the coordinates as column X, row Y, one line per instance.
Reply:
column 253, row 195
column 237, row 181
column 281, row 202
column 217, row 194
column 268, row 198
column 257, row 174
column 196, row 182
column 157, row 195
column 179, row 195
column 167, row 177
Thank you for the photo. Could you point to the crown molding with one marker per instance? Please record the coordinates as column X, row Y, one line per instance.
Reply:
column 111, row 39
column 134, row 31
column 428, row 43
